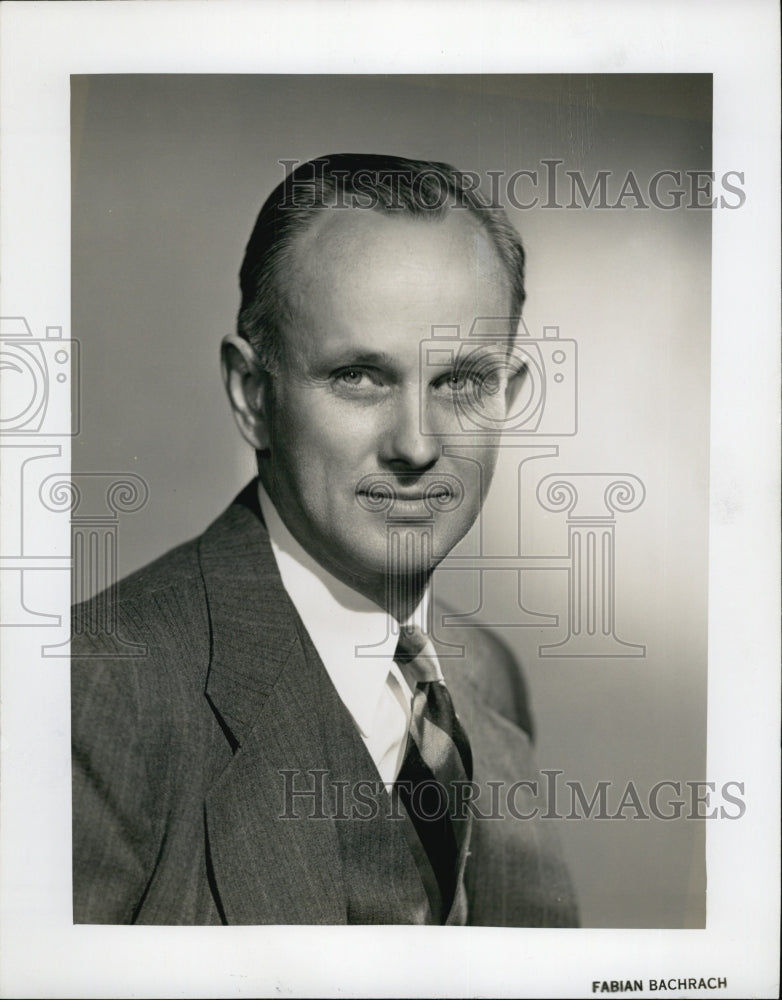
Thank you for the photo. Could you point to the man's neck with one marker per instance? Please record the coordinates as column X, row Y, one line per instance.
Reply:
column 398, row 594
column 403, row 594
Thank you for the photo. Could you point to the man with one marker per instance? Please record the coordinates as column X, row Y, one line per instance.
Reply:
column 303, row 742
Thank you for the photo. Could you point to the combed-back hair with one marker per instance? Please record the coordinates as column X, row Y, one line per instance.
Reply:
column 391, row 185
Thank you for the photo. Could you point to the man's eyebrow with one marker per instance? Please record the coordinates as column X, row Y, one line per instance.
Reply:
column 351, row 356
column 472, row 354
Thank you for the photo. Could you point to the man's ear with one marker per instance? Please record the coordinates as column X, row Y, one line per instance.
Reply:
column 247, row 385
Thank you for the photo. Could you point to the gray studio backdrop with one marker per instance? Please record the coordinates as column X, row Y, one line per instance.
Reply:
column 168, row 175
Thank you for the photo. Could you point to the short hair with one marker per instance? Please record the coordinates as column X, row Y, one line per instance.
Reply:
column 392, row 185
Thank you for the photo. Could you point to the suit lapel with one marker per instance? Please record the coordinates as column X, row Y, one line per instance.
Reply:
column 514, row 875
column 252, row 618
column 276, row 855
column 260, row 686
column 381, row 878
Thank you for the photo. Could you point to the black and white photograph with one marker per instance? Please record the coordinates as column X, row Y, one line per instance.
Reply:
column 379, row 517
column 458, row 398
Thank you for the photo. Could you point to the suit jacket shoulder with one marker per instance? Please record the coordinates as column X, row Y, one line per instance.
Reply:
column 494, row 672
column 170, row 668
column 139, row 726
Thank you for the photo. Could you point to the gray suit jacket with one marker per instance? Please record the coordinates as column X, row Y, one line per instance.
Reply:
column 187, row 761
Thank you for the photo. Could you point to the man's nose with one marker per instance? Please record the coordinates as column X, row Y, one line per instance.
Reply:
column 410, row 441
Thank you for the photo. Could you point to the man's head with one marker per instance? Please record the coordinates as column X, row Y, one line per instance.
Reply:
column 335, row 378
column 391, row 185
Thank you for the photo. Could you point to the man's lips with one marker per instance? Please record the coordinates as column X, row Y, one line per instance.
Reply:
column 437, row 492
column 406, row 495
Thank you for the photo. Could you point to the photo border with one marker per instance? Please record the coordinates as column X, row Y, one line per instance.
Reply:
column 42, row 45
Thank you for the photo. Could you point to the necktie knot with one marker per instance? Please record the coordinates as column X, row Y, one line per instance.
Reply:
column 416, row 657
column 411, row 642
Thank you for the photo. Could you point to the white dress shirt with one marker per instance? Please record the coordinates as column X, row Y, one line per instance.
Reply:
column 355, row 639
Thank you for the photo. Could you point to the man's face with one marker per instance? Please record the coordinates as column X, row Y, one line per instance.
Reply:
column 354, row 412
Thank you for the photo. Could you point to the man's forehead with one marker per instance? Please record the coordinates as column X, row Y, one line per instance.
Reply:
column 362, row 281
column 378, row 238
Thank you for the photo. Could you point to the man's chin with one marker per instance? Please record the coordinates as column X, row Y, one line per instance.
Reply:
column 372, row 571
column 410, row 545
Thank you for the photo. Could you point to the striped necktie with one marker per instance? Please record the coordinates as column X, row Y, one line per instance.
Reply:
column 437, row 760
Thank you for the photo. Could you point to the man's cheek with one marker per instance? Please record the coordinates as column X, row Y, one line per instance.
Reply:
column 487, row 459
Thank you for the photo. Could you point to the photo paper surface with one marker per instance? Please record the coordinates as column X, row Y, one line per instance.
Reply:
column 612, row 555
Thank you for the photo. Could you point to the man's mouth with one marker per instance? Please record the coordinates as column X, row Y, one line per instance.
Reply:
column 405, row 495
column 431, row 493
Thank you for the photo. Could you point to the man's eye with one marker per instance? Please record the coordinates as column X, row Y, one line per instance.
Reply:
column 470, row 387
column 352, row 376
column 456, row 381
column 356, row 378
column 474, row 381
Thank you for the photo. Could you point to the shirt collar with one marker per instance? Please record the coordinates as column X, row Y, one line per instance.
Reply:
column 355, row 639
